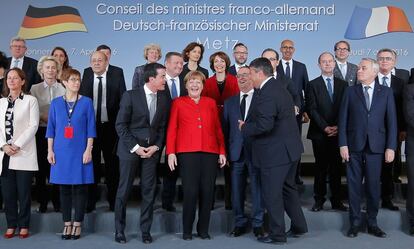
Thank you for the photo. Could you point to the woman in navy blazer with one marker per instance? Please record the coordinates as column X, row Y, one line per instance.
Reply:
column 195, row 140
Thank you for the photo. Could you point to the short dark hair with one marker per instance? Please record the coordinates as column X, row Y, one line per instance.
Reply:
column 171, row 54
column 383, row 50
column 66, row 63
column 342, row 41
column 22, row 75
column 239, row 44
column 3, row 60
column 271, row 50
column 150, row 70
column 326, row 52
column 223, row 56
column 262, row 64
column 103, row 46
column 190, row 47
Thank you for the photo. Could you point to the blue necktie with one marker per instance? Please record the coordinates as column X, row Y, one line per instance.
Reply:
column 287, row 73
column 173, row 89
column 329, row 86
column 366, row 96
column 384, row 81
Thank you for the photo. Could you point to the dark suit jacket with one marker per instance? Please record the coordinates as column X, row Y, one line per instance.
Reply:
column 133, row 126
column 138, row 78
column 408, row 109
column 322, row 111
column 351, row 73
column 272, row 127
column 299, row 77
column 289, row 85
column 186, row 71
column 358, row 125
column 30, row 69
column 232, row 70
column 403, row 74
column 115, row 87
column 183, row 90
column 397, row 86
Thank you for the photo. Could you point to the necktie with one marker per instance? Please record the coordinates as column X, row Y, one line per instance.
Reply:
column 287, row 73
column 173, row 89
column 343, row 72
column 16, row 63
column 329, row 86
column 366, row 96
column 99, row 102
column 243, row 106
column 152, row 106
column 384, row 81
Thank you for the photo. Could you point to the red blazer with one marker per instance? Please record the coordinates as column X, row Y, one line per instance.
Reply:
column 194, row 127
column 211, row 90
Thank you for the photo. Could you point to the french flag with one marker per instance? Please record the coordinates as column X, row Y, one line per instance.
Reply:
column 368, row 22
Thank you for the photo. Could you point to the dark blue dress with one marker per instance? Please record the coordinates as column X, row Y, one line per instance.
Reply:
column 69, row 168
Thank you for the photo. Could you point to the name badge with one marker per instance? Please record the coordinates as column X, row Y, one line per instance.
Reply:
column 69, row 132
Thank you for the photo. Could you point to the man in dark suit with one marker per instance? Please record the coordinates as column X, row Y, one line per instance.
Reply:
column 104, row 84
column 276, row 150
column 323, row 99
column 296, row 71
column 408, row 109
column 367, row 131
column 240, row 54
column 140, row 125
column 386, row 59
column 18, row 59
column 176, row 88
column 239, row 154
column 344, row 70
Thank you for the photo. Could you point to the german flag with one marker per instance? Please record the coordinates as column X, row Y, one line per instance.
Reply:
column 42, row 22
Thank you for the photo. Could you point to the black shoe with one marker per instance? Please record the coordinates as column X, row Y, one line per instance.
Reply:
column 318, row 206
column 268, row 240
column 203, row 236
column 120, row 237
column 258, row 232
column 411, row 231
column 377, row 232
column 76, row 232
column 238, row 231
column 352, row 232
column 187, row 236
column 339, row 206
column 66, row 234
column 299, row 181
column 389, row 205
column 294, row 234
column 146, row 238
column 397, row 180
column 169, row 208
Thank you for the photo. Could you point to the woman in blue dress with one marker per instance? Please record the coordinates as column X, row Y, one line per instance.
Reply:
column 70, row 133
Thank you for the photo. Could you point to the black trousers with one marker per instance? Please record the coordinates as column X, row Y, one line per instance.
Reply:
column 387, row 175
column 104, row 144
column 198, row 173
column 148, row 176
column 328, row 162
column 169, row 181
column 73, row 196
column 298, row 166
column 280, row 194
column 409, row 151
column 44, row 193
column 16, row 186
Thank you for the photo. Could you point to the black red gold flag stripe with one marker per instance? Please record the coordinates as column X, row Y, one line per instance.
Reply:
column 42, row 22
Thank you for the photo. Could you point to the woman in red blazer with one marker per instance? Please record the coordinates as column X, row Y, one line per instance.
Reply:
column 195, row 140
column 221, row 86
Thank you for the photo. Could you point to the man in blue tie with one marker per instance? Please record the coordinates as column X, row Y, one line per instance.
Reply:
column 176, row 88
column 367, row 131
column 324, row 96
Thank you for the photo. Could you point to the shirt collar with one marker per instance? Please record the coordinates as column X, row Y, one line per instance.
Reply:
column 380, row 76
column 248, row 93
column 372, row 85
column 9, row 98
column 147, row 90
column 290, row 62
column 45, row 85
column 341, row 63
column 264, row 82
column 169, row 77
column 102, row 75
column 325, row 77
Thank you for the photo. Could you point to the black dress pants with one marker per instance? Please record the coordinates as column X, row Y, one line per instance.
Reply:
column 73, row 196
column 198, row 173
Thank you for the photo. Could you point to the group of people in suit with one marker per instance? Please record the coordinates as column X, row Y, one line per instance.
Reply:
column 248, row 117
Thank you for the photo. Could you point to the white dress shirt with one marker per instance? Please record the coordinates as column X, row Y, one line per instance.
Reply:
column 177, row 84
column 370, row 91
column 19, row 64
column 248, row 101
column 290, row 65
column 380, row 76
column 104, row 112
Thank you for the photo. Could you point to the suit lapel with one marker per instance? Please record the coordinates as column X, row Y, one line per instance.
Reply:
column 335, row 90
column 108, row 86
column 376, row 96
column 360, row 94
column 324, row 89
column 144, row 103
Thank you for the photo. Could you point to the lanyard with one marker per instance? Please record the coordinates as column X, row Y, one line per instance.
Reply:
column 70, row 111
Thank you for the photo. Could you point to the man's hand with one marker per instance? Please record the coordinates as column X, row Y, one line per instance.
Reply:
column 305, row 118
column 141, row 151
column 389, row 155
column 344, row 153
column 241, row 123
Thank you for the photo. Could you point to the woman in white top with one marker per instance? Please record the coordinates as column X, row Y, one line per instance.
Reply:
column 49, row 69
column 19, row 119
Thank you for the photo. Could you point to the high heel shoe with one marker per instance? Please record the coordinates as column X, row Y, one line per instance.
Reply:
column 75, row 231
column 9, row 235
column 67, row 232
column 24, row 235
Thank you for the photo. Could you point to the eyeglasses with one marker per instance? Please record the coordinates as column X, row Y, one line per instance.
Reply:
column 288, row 48
column 17, row 46
column 385, row 58
column 243, row 75
column 342, row 49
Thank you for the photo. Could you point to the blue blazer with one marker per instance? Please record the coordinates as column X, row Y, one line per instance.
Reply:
column 357, row 125
column 272, row 126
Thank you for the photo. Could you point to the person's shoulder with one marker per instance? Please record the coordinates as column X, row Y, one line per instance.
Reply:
column 30, row 59
column 298, row 63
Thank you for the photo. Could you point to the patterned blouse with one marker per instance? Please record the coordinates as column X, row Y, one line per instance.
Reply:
column 9, row 119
